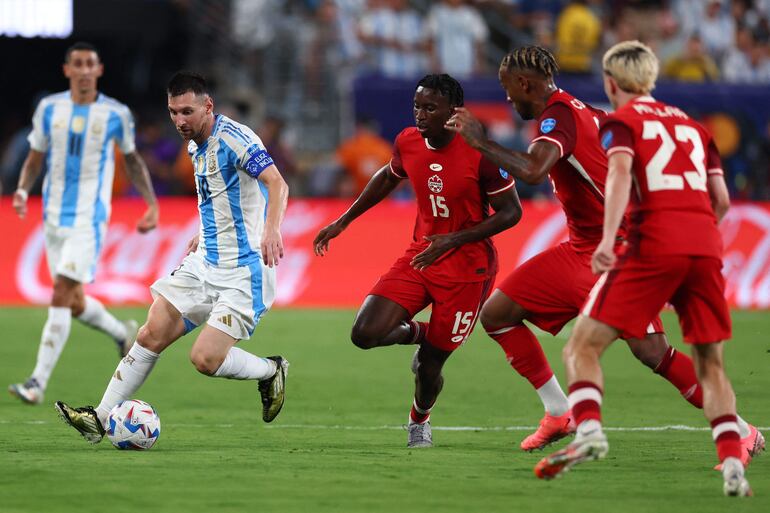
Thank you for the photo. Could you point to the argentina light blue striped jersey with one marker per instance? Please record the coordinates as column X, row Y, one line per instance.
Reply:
column 231, row 201
column 79, row 141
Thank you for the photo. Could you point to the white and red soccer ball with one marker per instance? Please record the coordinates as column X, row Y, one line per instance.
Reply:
column 133, row 425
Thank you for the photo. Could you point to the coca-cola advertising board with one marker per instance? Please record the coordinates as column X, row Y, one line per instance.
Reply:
column 131, row 261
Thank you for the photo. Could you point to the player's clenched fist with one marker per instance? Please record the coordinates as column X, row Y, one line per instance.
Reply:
column 321, row 241
column 604, row 257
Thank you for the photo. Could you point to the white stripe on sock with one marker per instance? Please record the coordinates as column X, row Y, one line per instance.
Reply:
column 724, row 427
column 584, row 394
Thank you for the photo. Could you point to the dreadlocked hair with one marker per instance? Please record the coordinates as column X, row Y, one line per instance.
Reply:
column 446, row 86
column 534, row 58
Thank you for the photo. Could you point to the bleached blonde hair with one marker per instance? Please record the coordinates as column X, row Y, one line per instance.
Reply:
column 633, row 65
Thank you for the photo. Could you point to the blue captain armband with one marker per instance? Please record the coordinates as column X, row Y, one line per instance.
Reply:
column 258, row 162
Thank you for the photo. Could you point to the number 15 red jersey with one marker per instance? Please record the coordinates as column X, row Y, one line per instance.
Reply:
column 671, row 211
column 452, row 185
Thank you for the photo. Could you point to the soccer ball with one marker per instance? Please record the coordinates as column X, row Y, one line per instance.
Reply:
column 133, row 425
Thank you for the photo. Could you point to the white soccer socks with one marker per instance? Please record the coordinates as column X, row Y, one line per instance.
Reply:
column 240, row 364
column 55, row 334
column 131, row 372
column 96, row 316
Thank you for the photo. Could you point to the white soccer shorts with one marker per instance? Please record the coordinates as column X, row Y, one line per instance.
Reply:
column 231, row 299
column 74, row 252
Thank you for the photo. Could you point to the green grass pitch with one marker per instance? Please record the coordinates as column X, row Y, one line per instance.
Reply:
column 338, row 445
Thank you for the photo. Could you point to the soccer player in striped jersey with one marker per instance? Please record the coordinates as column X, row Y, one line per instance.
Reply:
column 227, row 282
column 549, row 289
column 75, row 132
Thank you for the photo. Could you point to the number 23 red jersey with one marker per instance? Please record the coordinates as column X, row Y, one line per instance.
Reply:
column 671, row 211
column 452, row 185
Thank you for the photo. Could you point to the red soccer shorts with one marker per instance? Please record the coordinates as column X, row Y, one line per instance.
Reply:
column 628, row 297
column 455, row 305
column 553, row 285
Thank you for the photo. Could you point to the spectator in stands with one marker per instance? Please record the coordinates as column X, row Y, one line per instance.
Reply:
column 578, row 32
column 271, row 133
column 159, row 151
column 692, row 65
column 716, row 29
column 644, row 15
column 458, row 36
column 748, row 61
column 395, row 39
column 362, row 155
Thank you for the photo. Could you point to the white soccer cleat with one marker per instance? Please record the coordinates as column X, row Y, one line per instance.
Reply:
column 420, row 435
column 124, row 345
column 589, row 447
column 736, row 484
column 29, row 392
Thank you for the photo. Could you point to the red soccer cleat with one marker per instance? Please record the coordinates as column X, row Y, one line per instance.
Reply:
column 551, row 429
column 587, row 448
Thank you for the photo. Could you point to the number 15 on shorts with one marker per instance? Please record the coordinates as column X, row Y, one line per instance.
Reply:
column 463, row 321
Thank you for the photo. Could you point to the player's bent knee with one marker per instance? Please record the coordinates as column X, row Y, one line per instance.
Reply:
column 500, row 312
column 650, row 350
column 490, row 317
column 363, row 336
column 205, row 362
column 148, row 338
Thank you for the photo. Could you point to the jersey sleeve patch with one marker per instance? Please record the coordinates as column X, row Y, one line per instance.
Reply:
column 547, row 125
column 615, row 136
column 558, row 126
column 607, row 140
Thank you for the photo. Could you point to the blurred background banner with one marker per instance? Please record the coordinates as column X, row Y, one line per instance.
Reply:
column 327, row 84
column 131, row 262
column 737, row 114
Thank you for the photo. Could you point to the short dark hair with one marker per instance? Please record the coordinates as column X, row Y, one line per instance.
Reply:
column 80, row 45
column 187, row 81
column 533, row 58
column 446, row 86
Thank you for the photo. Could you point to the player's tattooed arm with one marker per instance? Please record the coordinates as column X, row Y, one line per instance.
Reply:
column 139, row 176
column 30, row 170
column 507, row 213
column 379, row 187
column 531, row 167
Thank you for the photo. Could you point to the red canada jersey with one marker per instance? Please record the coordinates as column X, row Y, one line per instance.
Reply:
column 580, row 174
column 452, row 186
column 671, row 211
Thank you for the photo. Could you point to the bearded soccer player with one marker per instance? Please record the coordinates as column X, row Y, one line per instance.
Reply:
column 674, row 254
column 75, row 132
column 227, row 282
column 549, row 289
column 452, row 262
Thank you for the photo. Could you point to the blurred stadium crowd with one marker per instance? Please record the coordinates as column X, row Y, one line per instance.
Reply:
column 288, row 69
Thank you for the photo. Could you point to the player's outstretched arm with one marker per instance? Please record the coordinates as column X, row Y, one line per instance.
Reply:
column 278, row 192
column 139, row 176
column 531, row 167
column 30, row 170
column 382, row 183
column 507, row 213
column 617, row 193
